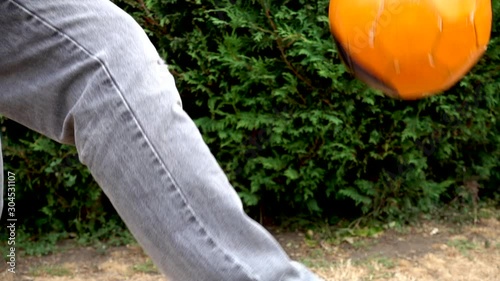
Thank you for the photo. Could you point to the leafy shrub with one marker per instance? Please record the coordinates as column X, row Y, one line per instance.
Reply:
column 54, row 192
column 294, row 131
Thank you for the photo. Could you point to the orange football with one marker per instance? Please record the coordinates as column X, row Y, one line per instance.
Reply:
column 410, row 49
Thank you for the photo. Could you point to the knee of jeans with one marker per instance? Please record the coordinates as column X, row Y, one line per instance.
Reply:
column 135, row 64
column 123, row 45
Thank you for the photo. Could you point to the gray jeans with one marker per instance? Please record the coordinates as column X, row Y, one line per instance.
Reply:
column 83, row 72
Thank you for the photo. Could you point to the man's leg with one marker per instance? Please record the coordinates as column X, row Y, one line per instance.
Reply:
column 84, row 73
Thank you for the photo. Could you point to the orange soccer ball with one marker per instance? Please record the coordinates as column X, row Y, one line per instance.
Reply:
column 410, row 49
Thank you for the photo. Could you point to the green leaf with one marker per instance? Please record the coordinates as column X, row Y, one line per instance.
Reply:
column 291, row 174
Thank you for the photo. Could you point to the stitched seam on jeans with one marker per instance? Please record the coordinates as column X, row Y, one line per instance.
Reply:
column 120, row 94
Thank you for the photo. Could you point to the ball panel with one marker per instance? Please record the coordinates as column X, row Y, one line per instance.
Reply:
column 352, row 21
column 364, row 74
column 455, row 45
column 454, row 10
column 411, row 32
column 461, row 71
column 483, row 21
column 371, row 59
column 417, row 76
column 352, row 25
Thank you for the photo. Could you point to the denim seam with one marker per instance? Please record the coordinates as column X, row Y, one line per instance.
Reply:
column 128, row 108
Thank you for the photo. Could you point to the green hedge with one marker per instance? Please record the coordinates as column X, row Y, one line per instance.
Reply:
column 54, row 192
column 296, row 134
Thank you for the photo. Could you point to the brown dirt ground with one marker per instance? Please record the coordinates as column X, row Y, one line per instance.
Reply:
column 470, row 253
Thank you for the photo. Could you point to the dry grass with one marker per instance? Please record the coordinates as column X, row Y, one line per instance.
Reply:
column 472, row 254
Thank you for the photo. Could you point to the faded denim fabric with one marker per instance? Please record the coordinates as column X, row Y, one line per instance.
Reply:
column 84, row 73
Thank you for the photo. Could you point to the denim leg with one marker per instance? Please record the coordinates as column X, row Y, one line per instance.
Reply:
column 84, row 73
